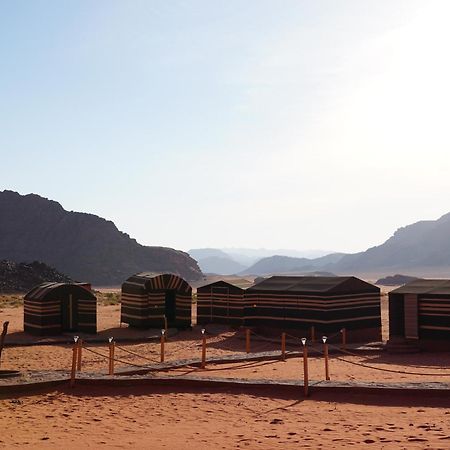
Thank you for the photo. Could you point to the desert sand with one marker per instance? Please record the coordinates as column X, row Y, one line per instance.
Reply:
column 205, row 418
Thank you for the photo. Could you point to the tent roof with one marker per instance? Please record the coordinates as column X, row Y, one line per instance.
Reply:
column 441, row 287
column 309, row 284
column 41, row 291
column 220, row 283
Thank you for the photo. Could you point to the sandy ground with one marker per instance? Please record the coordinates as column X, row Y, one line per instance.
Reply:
column 144, row 417
column 136, row 418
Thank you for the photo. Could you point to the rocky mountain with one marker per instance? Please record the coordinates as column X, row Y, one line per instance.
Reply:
column 222, row 266
column 213, row 260
column 286, row 264
column 21, row 277
column 395, row 280
column 422, row 245
column 84, row 246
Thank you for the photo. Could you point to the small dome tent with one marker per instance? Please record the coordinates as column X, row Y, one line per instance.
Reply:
column 151, row 300
column 53, row 308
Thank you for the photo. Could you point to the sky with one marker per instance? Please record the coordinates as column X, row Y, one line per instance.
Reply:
column 296, row 124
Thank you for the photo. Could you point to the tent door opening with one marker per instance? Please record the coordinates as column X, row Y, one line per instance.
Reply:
column 69, row 313
column 411, row 316
column 170, row 306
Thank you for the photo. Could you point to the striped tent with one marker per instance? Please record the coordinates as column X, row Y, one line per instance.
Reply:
column 149, row 300
column 52, row 308
column 420, row 310
column 220, row 302
column 327, row 303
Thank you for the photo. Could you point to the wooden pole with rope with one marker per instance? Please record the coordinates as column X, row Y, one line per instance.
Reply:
column 2, row 339
column 163, row 338
column 111, row 355
column 325, row 354
column 203, row 365
column 247, row 340
column 305, row 369
column 74, row 361
column 283, row 346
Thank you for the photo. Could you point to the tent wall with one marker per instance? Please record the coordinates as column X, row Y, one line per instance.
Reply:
column 434, row 317
column 143, row 302
column 220, row 302
column 42, row 318
column 45, row 305
column 325, row 312
column 430, row 316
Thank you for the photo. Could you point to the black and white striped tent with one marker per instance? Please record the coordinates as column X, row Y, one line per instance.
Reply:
column 420, row 310
column 220, row 302
column 153, row 300
column 327, row 303
column 52, row 308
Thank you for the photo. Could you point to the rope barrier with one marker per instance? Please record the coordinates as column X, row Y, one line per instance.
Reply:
column 115, row 359
column 404, row 372
column 266, row 344
column 136, row 354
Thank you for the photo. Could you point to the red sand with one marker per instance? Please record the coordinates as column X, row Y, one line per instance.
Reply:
column 146, row 417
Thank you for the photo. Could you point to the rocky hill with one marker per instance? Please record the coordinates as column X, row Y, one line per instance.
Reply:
column 422, row 245
column 286, row 264
column 84, row 246
column 21, row 277
column 213, row 260
column 395, row 280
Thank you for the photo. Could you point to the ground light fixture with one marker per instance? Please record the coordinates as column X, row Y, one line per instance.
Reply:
column 163, row 332
column 110, row 339
column 324, row 339
column 203, row 331
column 303, row 341
column 75, row 339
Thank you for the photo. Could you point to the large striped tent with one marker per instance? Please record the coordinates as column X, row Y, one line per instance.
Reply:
column 420, row 311
column 52, row 308
column 327, row 303
column 150, row 300
column 220, row 302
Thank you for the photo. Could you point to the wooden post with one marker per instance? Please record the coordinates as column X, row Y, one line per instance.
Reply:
column 247, row 340
column 313, row 334
column 305, row 369
column 283, row 346
column 163, row 332
column 203, row 350
column 344, row 338
column 80, row 346
column 74, row 364
column 112, row 345
column 325, row 354
column 2, row 339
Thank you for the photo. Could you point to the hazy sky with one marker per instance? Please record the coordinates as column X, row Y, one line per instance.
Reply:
column 292, row 124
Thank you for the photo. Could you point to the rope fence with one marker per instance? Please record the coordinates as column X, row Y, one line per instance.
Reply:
column 264, row 344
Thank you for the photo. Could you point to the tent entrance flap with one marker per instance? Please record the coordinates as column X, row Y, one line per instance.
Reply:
column 411, row 316
column 170, row 305
column 69, row 313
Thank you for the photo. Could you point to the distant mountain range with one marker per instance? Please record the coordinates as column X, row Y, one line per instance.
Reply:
column 213, row 260
column 240, row 260
column 420, row 249
column 83, row 246
column 287, row 264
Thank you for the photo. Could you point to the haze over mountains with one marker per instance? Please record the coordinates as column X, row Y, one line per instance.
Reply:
column 227, row 261
column 419, row 249
column 82, row 246
column 89, row 248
